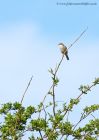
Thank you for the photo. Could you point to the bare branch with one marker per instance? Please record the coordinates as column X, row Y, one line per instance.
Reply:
column 53, row 86
column 77, row 38
column 26, row 89
column 53, row 99
column 40, row 134
column 59, row 64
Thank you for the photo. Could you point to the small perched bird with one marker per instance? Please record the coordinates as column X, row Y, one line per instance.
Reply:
column 63, row 50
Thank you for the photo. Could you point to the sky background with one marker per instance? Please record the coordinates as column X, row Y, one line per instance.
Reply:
column 29, row 34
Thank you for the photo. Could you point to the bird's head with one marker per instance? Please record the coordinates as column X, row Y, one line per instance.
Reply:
column 61, row 45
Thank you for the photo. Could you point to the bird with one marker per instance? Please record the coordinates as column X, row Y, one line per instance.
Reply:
column 63, row 50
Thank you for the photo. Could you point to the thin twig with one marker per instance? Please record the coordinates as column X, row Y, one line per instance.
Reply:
column 61, row 137
column 45, row 116
column 93, row 116
column 82, row 93
column 40, row 134
column 53, row 86
column 55, row 75
column 44, row 100
column 26, row 89
column 53, row 98
column 78, row 122
column 82, row 118
column 59, row 65
column 77, row 38
column 67, row 116
column 86, row 91
column 47, row 94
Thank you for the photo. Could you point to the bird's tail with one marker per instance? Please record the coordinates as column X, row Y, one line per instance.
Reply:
column 67, row 57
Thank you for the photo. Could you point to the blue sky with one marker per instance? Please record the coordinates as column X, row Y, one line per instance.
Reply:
column 29, row 34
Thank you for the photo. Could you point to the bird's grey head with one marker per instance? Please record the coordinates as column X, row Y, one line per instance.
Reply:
column 61, row 44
